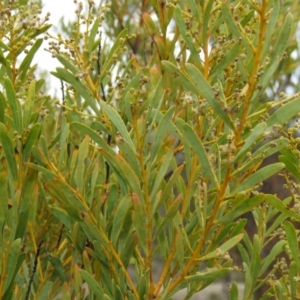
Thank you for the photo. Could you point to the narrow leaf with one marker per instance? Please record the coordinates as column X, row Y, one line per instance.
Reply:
column 8, row 151
column 284, row 113
column 11, row 264
column 292, row 239
column 15, row 105
column 92, row 283
column 196, row 144
column 205, row 89
column 119, row 217
column 117, row 121
column 223, row 248
column 251, row 140
column 259, row 176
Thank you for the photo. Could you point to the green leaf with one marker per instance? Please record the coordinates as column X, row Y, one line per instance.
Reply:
column 2, row 107
column 129, row 248
column 170, row 214
column 223, row 248
column 8, row 151
column 150, row 25
column 80, row 168
column 205, row 24
column 168, row 188
column 270, row 258
column 11, row 264
column 162, row 130
column 80, row 88
column 271, row 27
column 271, row 147
column 196, row 144
column 66, row 62
column 293, row 273
column 180, row 77
column 129, row 175
column 194, row 9
column 231, row 24
column 58, row 267
column 117, row 121
column 15, row 106
column 229, row 57
column 62, row 216
column 160, row 176
column 278, row 204
column 114, row 50
column 259, row 176
column 138, row 216
column 284, row 113
column 234, row 292
column 39, row 31
column 31, row 140
column 251, row 140
column 29, row 196
column 72, row 207
column 245, row 206
column 283, row 38
column 63, row 138
column 292, row 238
column 205, row 89
column 290, row 166
column 119, row 217
column 279, row 220
column 180, row 251
column 92, row 283
column 131, row 157
column 25, row 65
column 49, row 174
column 187, row 38
column 255, row 260
column 214, row 275
column 46, row 290
column 85, row 130
column 92, row 36
column 9, row 292
column 278, row 51
column 28, row 109
column 4, row 197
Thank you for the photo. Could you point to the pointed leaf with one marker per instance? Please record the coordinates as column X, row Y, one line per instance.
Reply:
column 292, row 239
column 24, row 67
column 92, row 283
column 278, row 204
column 251, row 140
column 31, row 140
column 284, row 113
column 15, row 105
column 119, row 217
column 8, row 151
column 223, row 248
column 117, row 121
column 114, row 50
column 259, row 176
column 58, row 267
column 205, row 89
column 187, row 38
column 196, row 144
column 11, row 264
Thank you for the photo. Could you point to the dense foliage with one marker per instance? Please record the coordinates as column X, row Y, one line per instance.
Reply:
column 153, row 153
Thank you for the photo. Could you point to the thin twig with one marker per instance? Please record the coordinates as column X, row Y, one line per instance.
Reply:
column 34, row 269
